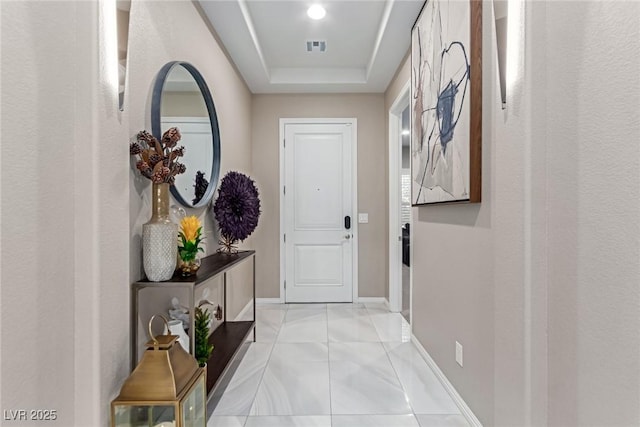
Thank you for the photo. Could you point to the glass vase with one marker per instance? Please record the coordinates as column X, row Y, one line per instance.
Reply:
column 159, row 237
column 188, row 268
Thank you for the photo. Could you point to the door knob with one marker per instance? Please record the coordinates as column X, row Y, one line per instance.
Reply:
column 347, row 236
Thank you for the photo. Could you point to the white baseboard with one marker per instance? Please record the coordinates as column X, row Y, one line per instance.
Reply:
column 269, row 301
column 245, row 310
column 462, row 405
column 360, row 300
column 382, row 300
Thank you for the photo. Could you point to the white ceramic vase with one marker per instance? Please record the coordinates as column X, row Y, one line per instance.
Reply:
column 159, row 238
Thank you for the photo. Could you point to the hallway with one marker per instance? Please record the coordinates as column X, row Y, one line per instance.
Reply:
column 333, row 365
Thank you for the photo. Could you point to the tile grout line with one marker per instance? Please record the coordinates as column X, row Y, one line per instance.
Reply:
column 381, row 342
column 375, row 327
column 266, row 365
column 329, row 369
column 413, row 412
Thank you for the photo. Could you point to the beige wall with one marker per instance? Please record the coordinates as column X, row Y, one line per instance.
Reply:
column 473, row 266
column 183, row 104
column 232, row 99
column 369, row 110
column 399, row 80
column 593, row 207
column 230, row 95
column 72, row 207
column 41, row 199
column 539, row 282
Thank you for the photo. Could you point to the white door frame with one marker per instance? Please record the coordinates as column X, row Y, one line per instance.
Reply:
column 353, row 122
column 395, row 153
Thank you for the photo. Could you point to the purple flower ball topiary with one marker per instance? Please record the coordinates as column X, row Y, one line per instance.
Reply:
column 237, row 207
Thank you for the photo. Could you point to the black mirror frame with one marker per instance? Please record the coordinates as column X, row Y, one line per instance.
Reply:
column 156, row 126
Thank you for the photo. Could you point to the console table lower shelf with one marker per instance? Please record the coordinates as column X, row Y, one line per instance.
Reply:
column 229, row 336
column 227, row 340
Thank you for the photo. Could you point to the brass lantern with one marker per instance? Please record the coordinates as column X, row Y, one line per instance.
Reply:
column 166, row 389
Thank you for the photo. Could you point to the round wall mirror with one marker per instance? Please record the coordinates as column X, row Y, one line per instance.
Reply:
column 182, row 99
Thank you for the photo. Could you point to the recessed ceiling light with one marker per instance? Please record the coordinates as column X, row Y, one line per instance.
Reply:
column 316, row 12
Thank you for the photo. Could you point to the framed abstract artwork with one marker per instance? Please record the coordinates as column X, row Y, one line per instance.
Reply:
column 446, row 103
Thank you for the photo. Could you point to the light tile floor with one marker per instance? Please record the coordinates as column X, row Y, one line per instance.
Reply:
column 333, row 365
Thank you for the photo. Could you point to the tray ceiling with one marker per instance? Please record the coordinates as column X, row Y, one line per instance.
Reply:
column 267, row 40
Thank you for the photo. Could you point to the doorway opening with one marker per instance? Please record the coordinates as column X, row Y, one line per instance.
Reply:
column 400, row 205
column 405, row 213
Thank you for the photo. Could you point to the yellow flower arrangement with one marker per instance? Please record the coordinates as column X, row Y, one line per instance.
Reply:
column 190, row 227
column 190, row 238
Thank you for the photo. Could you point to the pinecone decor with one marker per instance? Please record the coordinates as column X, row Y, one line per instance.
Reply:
column 158, row 160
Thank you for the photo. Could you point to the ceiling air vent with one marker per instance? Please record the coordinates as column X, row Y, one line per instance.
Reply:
column 316, row 45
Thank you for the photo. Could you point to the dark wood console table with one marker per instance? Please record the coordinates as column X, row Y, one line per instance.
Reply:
column 228, row 337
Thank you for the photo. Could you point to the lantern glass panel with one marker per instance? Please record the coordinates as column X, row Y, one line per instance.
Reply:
column 145, row 416
column 194, row 406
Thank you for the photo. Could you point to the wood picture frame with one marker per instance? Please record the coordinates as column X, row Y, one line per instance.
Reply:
column 446, row 103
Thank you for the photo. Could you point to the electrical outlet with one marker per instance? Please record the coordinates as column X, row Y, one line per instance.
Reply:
column 459, row 353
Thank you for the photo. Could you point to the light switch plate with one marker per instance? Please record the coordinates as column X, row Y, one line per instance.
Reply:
column 363, row 218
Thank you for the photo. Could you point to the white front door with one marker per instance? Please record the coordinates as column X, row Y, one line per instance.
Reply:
column 198, row 153
column 318, row 198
